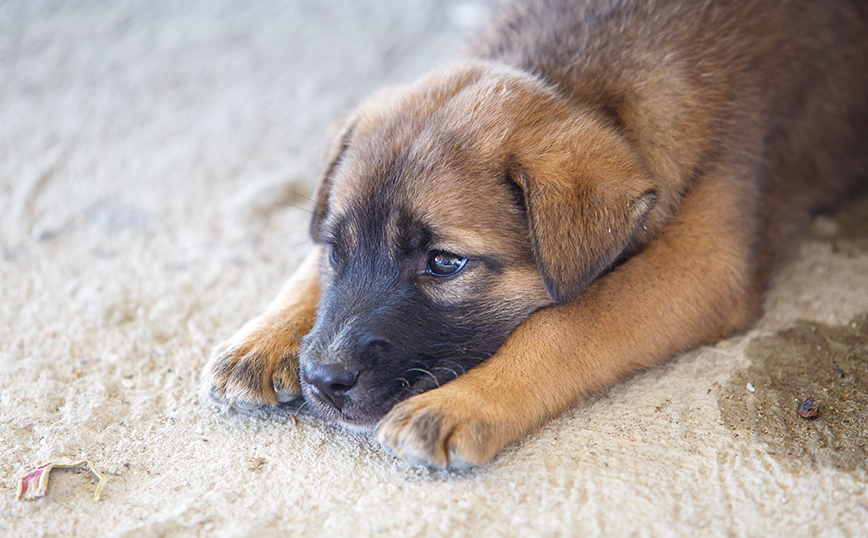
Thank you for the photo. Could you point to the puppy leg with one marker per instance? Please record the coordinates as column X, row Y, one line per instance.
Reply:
column 692, row 285
column 258, row 366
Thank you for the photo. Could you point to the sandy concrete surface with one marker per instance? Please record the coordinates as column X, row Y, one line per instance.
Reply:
column 154, row 158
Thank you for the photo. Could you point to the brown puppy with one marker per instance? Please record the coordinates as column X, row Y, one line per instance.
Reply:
column 608, row 183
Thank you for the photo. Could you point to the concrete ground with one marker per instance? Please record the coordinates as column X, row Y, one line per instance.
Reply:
column 154, row 158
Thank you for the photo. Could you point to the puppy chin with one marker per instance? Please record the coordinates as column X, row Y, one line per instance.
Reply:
column 358, row 428
column 352, row 417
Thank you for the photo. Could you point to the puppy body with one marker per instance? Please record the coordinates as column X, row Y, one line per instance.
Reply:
column 613, row 181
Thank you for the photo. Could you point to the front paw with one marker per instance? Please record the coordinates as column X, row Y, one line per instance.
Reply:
column 445, row 428
column 257, row 367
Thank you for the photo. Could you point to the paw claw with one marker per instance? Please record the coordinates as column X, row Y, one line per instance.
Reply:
column 245, row 405
column 214, row 396
column 284, row 396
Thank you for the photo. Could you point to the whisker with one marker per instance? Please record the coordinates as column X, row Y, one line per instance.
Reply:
column 306, row 241
column 300, row 195
column 456, row 363
column 302, row 208
column 425, row 372
column 277, row 241
column 286, row 235
column 454, row 373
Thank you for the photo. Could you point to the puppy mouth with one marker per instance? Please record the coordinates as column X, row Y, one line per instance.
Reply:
column 355, row 412
column 362, row 406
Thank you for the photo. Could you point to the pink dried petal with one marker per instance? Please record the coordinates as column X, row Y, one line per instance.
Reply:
column 31, row 485
column 35, row 483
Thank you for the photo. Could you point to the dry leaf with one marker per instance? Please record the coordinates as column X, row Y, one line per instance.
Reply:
column 35, row 483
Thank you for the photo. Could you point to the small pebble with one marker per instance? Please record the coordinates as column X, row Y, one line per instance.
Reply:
column 809, row 409
column 127, row 383
column 750, row 388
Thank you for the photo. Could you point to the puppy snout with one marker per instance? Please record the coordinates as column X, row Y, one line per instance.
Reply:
column 331, row 383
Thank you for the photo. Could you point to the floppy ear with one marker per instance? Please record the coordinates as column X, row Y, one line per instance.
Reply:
column 586, row 194
column 339, row 141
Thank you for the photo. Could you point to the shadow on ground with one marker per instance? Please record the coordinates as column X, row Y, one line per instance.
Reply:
column 810, row 360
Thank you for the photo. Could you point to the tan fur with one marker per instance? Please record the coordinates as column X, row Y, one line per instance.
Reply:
column 258, row 366
column 662, row 173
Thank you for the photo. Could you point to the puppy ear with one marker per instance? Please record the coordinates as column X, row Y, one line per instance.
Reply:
column 586, row 194
column 339, row 141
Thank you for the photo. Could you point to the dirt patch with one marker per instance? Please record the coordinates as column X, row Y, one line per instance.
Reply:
column 809, row 360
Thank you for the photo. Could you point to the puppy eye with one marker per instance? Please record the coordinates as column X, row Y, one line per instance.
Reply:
column 444, row 264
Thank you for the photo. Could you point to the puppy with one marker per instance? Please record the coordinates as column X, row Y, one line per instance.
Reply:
column 603, row 185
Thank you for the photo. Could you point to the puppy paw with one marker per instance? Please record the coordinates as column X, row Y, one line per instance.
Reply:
column 442, row 428
column 257, row 367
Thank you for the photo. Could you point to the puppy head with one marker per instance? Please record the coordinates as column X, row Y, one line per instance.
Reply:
column 450, row 211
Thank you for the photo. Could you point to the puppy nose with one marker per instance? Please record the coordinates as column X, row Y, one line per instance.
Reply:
column 331, row 382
